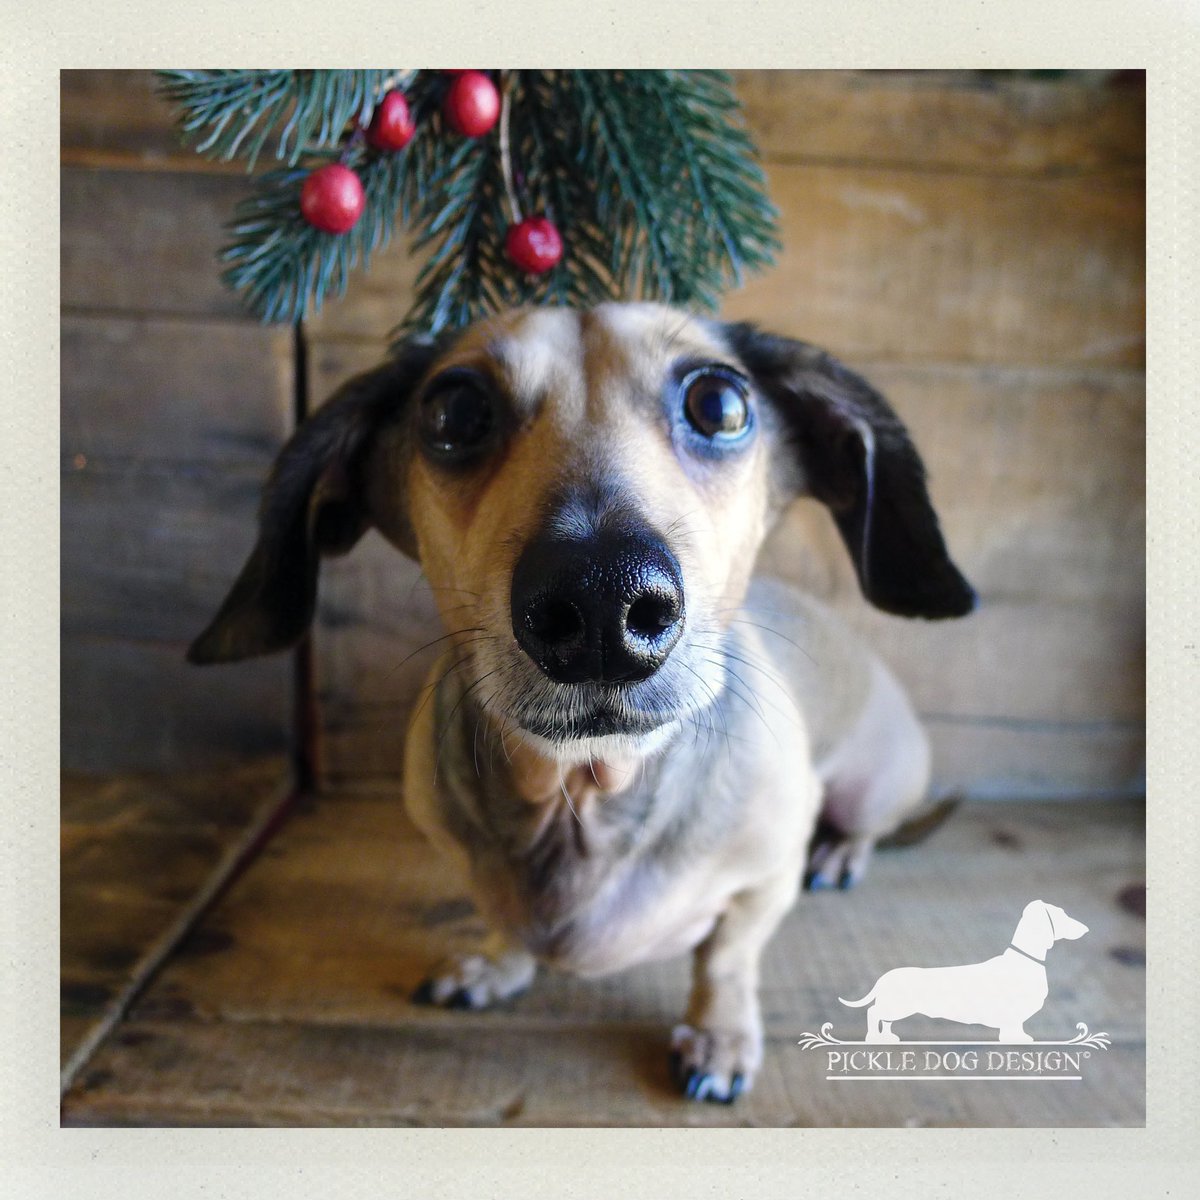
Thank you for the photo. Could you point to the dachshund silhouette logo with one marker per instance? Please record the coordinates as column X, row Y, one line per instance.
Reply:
column 1001, row 993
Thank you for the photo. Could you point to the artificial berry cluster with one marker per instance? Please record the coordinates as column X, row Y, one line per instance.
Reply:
column 332, row 198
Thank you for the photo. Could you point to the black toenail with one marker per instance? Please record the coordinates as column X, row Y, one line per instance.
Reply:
column 424, row 992
column 736, row 1086
column 460, row 999
column 847, row 880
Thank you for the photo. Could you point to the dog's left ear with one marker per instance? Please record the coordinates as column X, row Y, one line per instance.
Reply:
column 312, row 506
column 855, row 456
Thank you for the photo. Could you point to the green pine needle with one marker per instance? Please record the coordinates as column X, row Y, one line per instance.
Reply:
column 650, row 177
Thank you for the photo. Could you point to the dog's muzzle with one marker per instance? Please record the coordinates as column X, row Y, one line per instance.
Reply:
column 602, row 608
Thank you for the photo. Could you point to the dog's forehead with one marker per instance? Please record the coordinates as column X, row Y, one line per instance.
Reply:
column 566, row 355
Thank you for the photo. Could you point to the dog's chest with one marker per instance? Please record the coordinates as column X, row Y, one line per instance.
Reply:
column 575, row 887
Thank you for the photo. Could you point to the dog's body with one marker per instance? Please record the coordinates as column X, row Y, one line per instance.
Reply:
column 1002, row 993
column 626, row 745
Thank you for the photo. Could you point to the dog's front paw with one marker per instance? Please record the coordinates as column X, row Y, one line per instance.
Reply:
column 837, row 860
column 477, row 980
column 714, row 1064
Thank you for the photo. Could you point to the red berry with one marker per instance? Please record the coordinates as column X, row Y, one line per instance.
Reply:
column 332, row 198
column 391, row 125
column 534, row 245
column 472, row 104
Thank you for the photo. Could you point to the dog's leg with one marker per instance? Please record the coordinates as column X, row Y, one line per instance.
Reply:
column 718, row 1049
column 502, row 970
column 875, row 777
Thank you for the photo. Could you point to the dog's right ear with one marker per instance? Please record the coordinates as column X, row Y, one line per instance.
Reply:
column 856, row 457
column 312, row 506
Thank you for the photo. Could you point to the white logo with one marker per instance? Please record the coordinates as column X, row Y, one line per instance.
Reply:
column 1001, row 993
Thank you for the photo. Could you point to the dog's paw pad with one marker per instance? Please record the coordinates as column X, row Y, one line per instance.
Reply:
column 713, row 1064
column 474, row 981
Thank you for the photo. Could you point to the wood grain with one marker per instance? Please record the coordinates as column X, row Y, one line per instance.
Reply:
column 986, row 121
column 289, row 1005
column 141, row 705
column 135, row 850
column 147, row 242
column 168, row 429
column 956, row 120
column 140, row 389
column 118, row 117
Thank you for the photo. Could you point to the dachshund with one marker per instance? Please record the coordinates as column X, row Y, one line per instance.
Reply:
column 629, row 738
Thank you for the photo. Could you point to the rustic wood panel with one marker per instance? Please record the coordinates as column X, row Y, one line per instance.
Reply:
column 960, row 120
column 140, row 705
column 168, row 429
column 924, row 268
column 144, row 241
column 288, row 1006
column 994, row 759
column 135, row 851
column 115, row 116
column 145, row 389
column 957, row 120
column 173, row 542
column 910, row 267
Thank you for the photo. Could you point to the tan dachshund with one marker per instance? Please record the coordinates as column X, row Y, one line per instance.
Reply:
column 628, row 739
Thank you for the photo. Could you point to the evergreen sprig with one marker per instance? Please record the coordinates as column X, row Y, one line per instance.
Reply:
column 228, row 113
column 650, row 177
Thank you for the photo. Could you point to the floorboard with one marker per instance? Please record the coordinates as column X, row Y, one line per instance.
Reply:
column 289, row 1004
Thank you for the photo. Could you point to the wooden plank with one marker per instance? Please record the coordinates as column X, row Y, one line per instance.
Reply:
column 1037, row 760
column 142, row 389
column 173, row 542
column 880, row 264
column 991, row 121
column 289, row 1005
column 118, row 116
column 137, row 705
column 168, row 430
column 147, row 242
column 958, row 120
column 135, row 850
column 238, row 1074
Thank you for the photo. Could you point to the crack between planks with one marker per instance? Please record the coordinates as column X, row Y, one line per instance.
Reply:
column 228, row 870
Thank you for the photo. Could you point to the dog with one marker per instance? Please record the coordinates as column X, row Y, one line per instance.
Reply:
column 627, row 740
column 1001, row 993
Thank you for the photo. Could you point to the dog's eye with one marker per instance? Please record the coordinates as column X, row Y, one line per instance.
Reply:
column 715, row 403
column 457, row 416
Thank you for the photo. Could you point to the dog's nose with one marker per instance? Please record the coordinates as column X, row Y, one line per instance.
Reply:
column 604, row 608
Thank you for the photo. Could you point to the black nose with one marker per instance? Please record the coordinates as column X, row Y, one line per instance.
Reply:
column 603, row 608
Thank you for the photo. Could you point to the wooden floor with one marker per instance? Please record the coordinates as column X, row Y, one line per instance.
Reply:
column 287, row 1004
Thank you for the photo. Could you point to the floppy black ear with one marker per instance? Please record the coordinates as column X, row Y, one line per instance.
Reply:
column 312, row 505
column 856, row 457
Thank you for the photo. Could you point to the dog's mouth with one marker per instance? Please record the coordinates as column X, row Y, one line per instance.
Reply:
column 604, row 720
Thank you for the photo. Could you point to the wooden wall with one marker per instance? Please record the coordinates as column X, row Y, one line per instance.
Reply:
column 173, row 405
column 974, row 243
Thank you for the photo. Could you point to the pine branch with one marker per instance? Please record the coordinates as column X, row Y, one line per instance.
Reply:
column 305, row 110
column 649, row 175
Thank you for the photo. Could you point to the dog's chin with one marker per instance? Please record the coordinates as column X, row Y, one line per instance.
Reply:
column 624, row 747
